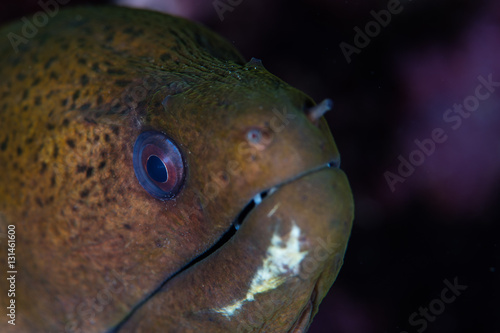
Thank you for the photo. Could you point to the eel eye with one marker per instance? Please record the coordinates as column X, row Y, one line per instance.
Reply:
column 158, row 165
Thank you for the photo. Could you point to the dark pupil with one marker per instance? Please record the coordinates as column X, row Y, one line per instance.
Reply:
column 156, row 169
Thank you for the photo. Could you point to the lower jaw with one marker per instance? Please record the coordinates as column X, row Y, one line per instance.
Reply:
column 221, row 292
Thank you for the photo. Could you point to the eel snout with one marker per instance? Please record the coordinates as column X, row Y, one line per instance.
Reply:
column 272, row 275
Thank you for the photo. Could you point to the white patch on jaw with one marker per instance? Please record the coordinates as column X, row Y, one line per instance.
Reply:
column 282, row 258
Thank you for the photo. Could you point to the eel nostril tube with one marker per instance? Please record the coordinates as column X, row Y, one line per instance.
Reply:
column 317, row 111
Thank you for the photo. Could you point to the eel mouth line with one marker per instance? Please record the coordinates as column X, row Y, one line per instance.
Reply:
column 237, row 222
column 246, row 210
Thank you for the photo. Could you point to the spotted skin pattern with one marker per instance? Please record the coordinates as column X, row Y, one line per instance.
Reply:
column 91, row 244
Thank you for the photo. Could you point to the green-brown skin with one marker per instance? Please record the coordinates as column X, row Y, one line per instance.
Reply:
column 92, row 245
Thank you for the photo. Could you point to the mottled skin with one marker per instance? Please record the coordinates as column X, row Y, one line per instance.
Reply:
column 92, row 244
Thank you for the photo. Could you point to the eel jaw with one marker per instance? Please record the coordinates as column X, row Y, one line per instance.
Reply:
column 259, row 197
column 254, row 202
column 251, row 205
column 278, row 265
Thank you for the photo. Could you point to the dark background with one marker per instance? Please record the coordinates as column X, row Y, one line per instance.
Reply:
column 441, row 222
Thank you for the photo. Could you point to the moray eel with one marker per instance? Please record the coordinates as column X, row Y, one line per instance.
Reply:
column 152, row 180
